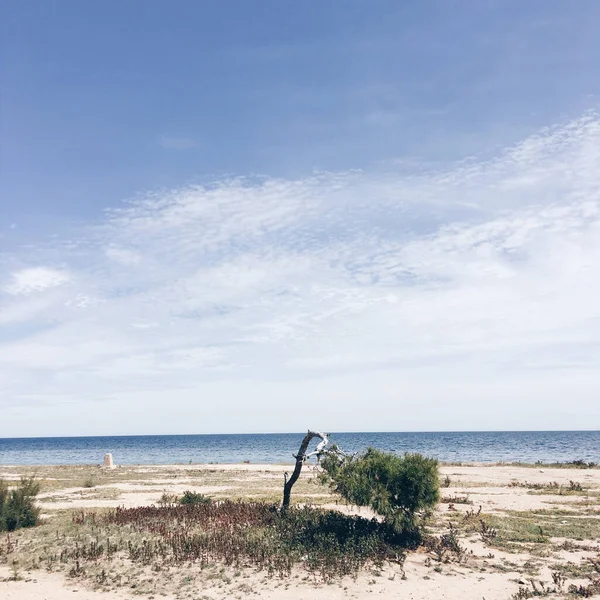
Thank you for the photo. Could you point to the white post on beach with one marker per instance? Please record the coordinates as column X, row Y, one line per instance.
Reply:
column 108, row 461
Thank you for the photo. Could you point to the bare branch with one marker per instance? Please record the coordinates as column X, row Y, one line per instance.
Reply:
column 321, row 445
column 300, row 459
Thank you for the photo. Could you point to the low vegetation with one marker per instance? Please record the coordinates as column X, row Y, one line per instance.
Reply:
column 17, row 504
column 573, row 488
column 237, row 534
column 539, row 525
column 327, row 544
column 192, row 498
column 569, row 464
column 241, row 531
column 446, row 547
column 455, row 500
column 89, row 482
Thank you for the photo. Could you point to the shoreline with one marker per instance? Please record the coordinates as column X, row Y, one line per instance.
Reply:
column 591, row 465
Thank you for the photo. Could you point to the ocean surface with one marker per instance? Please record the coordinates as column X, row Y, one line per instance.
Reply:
column 524, row 446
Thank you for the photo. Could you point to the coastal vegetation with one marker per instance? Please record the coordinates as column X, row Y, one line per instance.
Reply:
column 237, row 534
column 192, row 498
column 220, row 532
column 326, row 543
column 401, row 489
column 17, row 504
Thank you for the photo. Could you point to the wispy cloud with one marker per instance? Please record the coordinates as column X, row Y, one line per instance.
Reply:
column 35, row 279
column 481, row 279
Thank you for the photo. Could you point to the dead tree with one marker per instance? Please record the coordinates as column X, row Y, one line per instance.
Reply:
column 300, row 459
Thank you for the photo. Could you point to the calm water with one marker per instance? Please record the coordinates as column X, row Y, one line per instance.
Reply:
column 526, row 446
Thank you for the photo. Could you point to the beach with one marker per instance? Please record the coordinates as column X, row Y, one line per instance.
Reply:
column 299, row 301
column 541, row 532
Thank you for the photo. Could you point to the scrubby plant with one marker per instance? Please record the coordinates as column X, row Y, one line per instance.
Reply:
column 401, row 489
column 190, row 497
column 488, row 534
column 581, row 464
column 17, row 504
column 445, row 546
column 4, row 494
column 456, row 500
column 167, row 499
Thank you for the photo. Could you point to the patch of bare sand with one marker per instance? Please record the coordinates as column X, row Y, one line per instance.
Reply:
column 497, row 499
column 503, row 475
column 420, row 584
column 485, row 486
column 129, row 495
column 40, row 585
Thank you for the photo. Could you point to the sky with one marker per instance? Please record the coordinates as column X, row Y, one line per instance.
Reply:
column 266, row 216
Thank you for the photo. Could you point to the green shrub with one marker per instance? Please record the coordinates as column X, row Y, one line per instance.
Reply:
column 4, row 494
column 194, row 498
column 399, row 488
column 17, row 504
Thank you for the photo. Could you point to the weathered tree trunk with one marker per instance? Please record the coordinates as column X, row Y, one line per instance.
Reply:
column 300, row 459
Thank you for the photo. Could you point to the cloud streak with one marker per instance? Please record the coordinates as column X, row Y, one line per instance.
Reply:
column 481, row 278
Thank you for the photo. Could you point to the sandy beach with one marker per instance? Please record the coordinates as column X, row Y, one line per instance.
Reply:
column 544, row 538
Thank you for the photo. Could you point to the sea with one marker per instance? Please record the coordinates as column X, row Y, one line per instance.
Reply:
column 464, row 446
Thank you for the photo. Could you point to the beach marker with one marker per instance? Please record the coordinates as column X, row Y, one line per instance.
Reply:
column 108, row 461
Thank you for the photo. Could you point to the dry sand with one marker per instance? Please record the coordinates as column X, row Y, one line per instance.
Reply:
column 491, row 571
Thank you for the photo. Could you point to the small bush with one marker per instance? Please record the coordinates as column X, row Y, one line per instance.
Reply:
column 446, row 546
column 399, row 488
column 17, row 508
column 488, row 533
column 167, row 499
column 4, row 494
column 585, row 591
column 456, row 500
column 194, row 498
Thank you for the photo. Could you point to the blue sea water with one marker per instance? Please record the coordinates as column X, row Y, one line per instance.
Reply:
column 525, row 446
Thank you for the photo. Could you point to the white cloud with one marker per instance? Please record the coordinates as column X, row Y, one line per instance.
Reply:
column 35, row 279
column 480, row 281
column 123, row 255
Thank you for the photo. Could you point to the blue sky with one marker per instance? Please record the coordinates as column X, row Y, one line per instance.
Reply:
column 208, row 207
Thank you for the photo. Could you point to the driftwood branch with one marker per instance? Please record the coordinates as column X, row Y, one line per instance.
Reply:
column 301, row 457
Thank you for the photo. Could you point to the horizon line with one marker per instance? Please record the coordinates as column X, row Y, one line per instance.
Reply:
column 49, row 437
